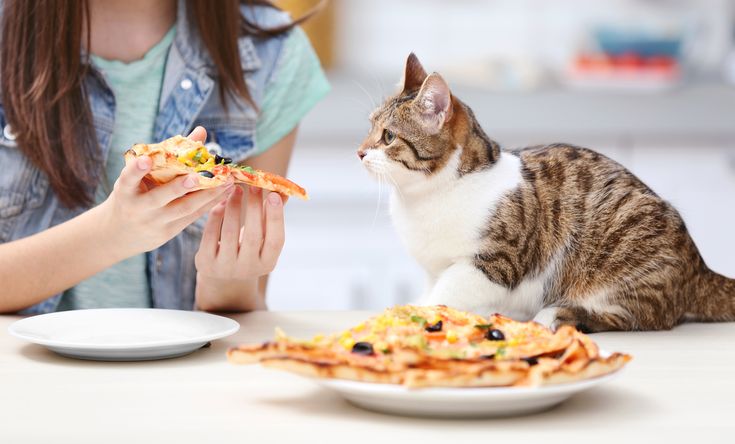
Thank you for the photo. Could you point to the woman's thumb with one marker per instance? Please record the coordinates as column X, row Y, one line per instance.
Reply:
column 135, row 169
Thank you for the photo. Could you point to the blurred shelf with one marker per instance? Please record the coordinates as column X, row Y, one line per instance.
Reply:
column 692, row 112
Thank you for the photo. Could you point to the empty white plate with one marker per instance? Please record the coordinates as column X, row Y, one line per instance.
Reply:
column 457, row 402
column 123, row 334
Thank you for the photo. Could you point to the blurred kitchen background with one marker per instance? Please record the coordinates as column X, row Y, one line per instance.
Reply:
column 650, row 83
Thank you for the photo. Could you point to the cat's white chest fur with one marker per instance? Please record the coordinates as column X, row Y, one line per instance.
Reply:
column 442, row 222
column 444, row 219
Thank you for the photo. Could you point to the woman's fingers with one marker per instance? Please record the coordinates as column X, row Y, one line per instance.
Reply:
column 132, row 174
column 212, row 229
column 163, row 195
column 275, row 235
column 252, row 235
column 230, row 235
column 199, row 134
column 192, row 202
column 183, row 222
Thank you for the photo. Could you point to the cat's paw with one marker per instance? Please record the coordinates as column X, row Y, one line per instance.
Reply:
column 553, row 318
column 548, row 318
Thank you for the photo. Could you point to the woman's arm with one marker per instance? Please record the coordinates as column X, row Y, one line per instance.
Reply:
column 230, row 280
column 132, row 220
column 39, row 266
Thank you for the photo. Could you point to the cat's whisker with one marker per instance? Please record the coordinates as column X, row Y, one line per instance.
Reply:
column 395, row 186
column 364, row 90
column 362, row 106
column 379, row 175
column 379, row 85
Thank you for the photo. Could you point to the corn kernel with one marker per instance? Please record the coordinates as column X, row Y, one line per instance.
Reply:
column 206, row 166
column 359, row 327
column 451, row 336
column 347, row 343
column 318, row 337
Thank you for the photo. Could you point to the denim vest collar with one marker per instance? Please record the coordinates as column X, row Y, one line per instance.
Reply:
column 189, row 79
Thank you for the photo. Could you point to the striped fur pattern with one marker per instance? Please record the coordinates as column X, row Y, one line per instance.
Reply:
column 556, row 233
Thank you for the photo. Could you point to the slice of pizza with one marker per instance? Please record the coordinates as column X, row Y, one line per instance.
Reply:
column 179, row 155
column 438, row 347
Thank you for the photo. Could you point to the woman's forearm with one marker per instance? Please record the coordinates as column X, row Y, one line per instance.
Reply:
column 39, row 266
column 229, row 295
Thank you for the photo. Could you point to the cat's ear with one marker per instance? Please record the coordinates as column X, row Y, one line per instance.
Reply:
column 434, row 102
column 413, row 74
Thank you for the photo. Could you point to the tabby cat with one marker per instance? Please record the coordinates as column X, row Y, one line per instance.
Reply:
column 555, row 233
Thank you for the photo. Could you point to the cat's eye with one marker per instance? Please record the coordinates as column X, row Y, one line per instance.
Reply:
column 388, row 136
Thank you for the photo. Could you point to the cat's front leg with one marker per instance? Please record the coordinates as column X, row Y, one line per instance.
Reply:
column 547, row 317
column 464, row 287
column 583, row 319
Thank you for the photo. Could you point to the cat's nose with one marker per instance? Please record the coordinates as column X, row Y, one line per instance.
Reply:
column 361, row 154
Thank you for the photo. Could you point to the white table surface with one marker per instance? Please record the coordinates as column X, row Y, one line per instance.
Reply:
column 680, row 386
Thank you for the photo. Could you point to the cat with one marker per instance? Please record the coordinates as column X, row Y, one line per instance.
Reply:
column 557, row 234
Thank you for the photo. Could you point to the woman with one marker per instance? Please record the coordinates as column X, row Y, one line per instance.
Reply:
column 84, row 80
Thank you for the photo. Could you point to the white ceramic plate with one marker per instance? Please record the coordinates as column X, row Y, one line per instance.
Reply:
column 123, row 334
column 458, row 402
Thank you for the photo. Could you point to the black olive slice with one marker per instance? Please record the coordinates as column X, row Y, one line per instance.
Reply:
column 494, row 335
column 219, row 159
column 206, row 174
column 531, row 361
column 363, row 348
column 436, row 327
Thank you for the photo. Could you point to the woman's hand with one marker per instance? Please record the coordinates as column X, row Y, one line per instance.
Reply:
column 142, row 219
column 235, row 250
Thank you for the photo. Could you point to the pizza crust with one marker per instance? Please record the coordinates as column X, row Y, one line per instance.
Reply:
column 458, row 374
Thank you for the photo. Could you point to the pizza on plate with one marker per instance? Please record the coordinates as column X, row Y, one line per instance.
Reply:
column 179, row 155
column 437, row 346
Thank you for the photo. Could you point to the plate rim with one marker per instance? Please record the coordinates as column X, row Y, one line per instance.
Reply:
column 384, row 388
column 233, row 328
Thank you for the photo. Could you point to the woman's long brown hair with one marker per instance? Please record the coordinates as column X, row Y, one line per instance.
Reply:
column 42, row 80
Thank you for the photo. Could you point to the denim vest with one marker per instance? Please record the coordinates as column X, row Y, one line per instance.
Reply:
column 189, row 97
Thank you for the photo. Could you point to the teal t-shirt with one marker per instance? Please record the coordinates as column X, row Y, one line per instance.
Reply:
column 137, row 90
column 297, row 86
